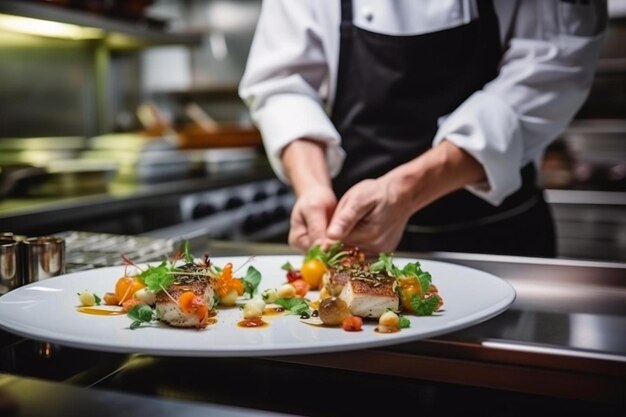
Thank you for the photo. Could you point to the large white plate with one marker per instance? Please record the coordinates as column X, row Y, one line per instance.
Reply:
column 47, row 311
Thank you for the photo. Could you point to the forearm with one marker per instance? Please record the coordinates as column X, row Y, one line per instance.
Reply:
column 441, row 170
column 304, row 163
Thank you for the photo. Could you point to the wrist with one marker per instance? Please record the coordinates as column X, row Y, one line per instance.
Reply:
column 441, row 170
column 305, row 166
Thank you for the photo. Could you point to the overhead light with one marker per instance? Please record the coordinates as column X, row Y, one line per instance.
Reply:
column 47, row 28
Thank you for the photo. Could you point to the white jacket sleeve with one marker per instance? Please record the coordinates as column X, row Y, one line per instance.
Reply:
column 281, row 86
column 545, row 75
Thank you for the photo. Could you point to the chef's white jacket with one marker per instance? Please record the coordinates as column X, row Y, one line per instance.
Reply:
column 551, row 48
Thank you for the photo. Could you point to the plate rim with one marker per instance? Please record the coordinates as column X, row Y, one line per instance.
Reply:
column 70, row 340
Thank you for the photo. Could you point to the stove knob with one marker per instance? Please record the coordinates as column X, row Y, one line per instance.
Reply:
column 279, row 213
column 259, row 196
column 233, row 203
column 203, row 210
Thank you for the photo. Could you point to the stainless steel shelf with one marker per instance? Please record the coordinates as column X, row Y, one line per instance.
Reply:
column 134, row 34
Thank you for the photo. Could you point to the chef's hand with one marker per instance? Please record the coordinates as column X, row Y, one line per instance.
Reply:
column 304, row 161
column 310, row 217
column 372, row 215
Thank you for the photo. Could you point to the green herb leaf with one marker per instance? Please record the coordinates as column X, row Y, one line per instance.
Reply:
column 157, row 278
column 294, row 305
column 315, row 252
column 251, row 281
column 287, row 266
column 186, row 254
column 404, row 322
column 329, row 256
column 425, row 280
column 141, row 313
column 98, row 299
column 412, row 269
column 385, row 263
column 425, row 306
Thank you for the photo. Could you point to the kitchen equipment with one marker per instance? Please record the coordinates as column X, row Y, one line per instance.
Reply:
column 12, row 175
column 220, row 160
column 58, row 179
column 201, row 117
column 43, row 257
column 223, row 135
column 10, row 270
column 140, row 157
column 597, row 150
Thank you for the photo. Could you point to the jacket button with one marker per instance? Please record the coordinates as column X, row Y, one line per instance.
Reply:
column 367, row 13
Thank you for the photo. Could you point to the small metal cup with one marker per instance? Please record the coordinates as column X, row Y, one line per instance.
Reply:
column 10, row 268
column 43, row 257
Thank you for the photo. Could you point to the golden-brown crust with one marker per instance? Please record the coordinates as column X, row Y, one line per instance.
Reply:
column 197, row 286
column 381, row 287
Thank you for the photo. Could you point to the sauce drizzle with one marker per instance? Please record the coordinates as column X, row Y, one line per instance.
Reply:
column 100, row 311
column 252, row 323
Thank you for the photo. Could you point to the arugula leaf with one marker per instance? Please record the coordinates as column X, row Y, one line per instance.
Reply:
column 424, row 306
column 251, row 281
column 141, row 313
column 297, row 306
column 157, row 278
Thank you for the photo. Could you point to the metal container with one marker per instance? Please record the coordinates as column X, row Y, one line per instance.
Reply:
column 10, row 271
column 43, row 257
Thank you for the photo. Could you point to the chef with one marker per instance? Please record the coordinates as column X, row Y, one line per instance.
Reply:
column 419, row 124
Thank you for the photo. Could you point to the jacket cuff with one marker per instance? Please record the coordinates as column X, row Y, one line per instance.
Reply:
column 488, row 129
column 288, row 117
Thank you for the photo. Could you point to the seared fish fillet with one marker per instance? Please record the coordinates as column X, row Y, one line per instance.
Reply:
column 335, row 278
column 370, row 294
column 168, row 311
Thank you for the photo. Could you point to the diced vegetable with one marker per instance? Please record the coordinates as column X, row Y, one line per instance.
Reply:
column 352, row 324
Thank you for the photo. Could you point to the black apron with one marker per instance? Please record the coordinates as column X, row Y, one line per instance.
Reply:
column 391, row 91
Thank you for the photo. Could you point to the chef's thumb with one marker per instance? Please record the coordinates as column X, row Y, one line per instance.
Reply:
column 342, row 223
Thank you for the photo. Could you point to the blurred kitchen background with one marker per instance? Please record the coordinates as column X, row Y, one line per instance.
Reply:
column 122, row 117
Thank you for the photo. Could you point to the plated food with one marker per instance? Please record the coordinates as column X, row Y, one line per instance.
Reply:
column 353, row 288
column 333, row 286
column 179, row 292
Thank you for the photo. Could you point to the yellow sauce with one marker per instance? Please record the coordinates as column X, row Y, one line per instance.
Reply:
column 100, row 311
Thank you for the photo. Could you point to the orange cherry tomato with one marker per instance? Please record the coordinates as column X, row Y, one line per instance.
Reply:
column 312, row 272
column 409, row 287
column 301, row 286
column 126, row 287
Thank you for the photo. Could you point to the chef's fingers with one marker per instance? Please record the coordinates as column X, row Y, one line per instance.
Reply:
column 308, row 227
column 349, row 212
